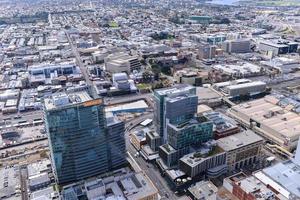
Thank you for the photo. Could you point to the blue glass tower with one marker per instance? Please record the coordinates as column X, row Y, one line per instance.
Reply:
column 175, row 112
column 78, row 139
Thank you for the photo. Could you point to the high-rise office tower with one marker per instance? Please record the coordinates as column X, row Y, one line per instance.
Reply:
column 167, row 110
column 180, row 108
column 80, row 144
column 116, row 141
column 177, row 109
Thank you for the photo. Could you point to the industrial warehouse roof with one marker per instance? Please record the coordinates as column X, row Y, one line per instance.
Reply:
column 283, row 122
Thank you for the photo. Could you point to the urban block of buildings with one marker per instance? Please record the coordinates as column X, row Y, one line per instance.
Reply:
column 121, row 184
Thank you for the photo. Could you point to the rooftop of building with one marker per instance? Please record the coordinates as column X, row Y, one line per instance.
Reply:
column 196, row 121
column 167, row 148
column 284, row 122
column 221, row 122
column 286, row 174
column 9, row 181
column 121, row 57
column 174, row 90
column 111, row 119
column 175, row 174
column 226, row 195
column 38, row 167
column 239, row 140
column 236, row 177
column 153, row 134
column 204, row 190
column 93, row 185
column 239, row 40
column 63, row 99
column 281, row 61
column 52, row 65
column 180, row 97
column 205, row 93
column 122, row 184
column 245, row 85
column 202, row 154
column 43, row 194
column 278, row 43
column 138, row 186
column 148, row 153
column 255, row 187
column 140, row 134
column 190, row 72
column 212, row 35
column 241, row 68
column 39, row 179
column 202, row 108
column 187, row 73
column 128, row 107
column 146, row 122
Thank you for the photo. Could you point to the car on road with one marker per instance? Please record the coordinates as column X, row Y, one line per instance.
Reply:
column 18, row 117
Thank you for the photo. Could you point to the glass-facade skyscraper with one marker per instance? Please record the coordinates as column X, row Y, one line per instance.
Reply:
column 196, row 132
column 175, row 111
column 78, row 139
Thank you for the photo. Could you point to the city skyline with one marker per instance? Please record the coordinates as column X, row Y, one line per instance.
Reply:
column 149, row 100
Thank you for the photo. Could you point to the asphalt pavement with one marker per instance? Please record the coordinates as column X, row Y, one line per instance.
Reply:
column 23, row 177
column 150, row 170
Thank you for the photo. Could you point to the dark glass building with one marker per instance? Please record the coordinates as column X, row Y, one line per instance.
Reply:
column 80, row 144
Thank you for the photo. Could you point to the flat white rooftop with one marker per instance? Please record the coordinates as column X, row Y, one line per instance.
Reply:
column 287, row 175
column 239, row 140
column 128, row 107
column 174, row 90
column 246, row 85
column 65, row 99
column 239, row 68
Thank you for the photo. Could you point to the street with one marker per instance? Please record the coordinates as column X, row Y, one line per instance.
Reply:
column 151, row 171
column 23, row 177
column 14, row 118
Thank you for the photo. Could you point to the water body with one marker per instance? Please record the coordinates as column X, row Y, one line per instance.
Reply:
column 224, row 2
